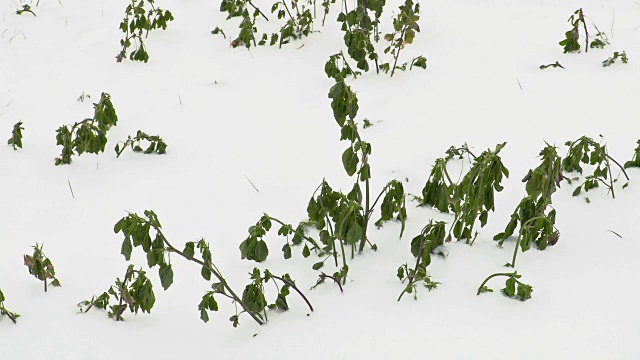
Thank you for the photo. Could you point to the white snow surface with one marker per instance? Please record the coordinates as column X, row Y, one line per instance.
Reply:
column 231, row 114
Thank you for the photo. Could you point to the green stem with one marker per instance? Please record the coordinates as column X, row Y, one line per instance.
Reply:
column 216, row 274
column 398, row 52
column 292, row 285
column 511, row 275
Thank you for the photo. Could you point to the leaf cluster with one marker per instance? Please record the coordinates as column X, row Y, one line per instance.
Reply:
column 422, row 246
column 536, row 219
column 439, row 189
column 473, row 198
column 359, row 28
column 16, row 136
column 405, row 28
column 616, row 55
column 514, row 288
column 3, row 310
column 137, row 23
column 586, row 151
column 26, row 8
column 89, row 135
column 137, row 233
column 135, row 292
column 156, row 144
column 41, row 267
column 635, row 160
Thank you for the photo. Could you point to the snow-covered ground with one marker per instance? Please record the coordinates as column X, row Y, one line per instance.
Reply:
column 232, row 114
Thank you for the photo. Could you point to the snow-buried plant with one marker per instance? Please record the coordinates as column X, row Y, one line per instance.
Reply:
column 341, row 219
column 134, row 292
column 156, row 144
column 16, row 136
column 41, row 267
column 89, row 135
column 588, row 152
column 571, row 42
column 3, row 310
column 138, row 231
column 137, row 23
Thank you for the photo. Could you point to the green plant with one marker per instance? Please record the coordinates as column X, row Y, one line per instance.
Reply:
column 600, row 41
column 473, row 197
column 586, row 151
column 358, row 28
column 554, row 65
column 16, row 136
column 296, row 27
column 439, row 189
column 635, row 160
column 570, row 43
column 138, row 21
column 41, row 267
column 422, row 246
column 514, row 288
column 405, row 27
column 616, row 55
column 3, row 311
column 342, row 220
column 25, row 9
column 89, row 135
column 534, row 213
column 572, row 37
column 83, row 97
column 137, row 232
column 134, row 292
column 156, row 144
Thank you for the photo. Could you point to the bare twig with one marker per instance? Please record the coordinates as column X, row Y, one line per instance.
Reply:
column 69, row 182
column 246, row 177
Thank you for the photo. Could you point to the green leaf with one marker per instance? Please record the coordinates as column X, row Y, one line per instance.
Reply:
column 355, row 233
column 126, row 248
column 349, row 161
column 510, row 287
column 317, row 265
column 206, row 273
column 287, row 251
column 261, row 251
column 306, row 252
column 166, row 276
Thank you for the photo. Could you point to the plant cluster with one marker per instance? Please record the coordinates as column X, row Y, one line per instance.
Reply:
column 41, row 267
column 534, row 213
column 588, row 152
column 298, row 22
column 134, row 292
column 635, row 160
column 514, row 288
column 616, row 55
column 26, row 8
column 405, row 27
column 156, row 144
column 572, row 37
column 422, row 246
column 138, row 21
column 554, row 65
column 16, row 136
column 89, row 135
column 138, row 231
column 3, row 310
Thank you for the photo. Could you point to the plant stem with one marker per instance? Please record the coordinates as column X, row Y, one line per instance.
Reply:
column 586, row 45
column 260, row 11
column 399, row 48
column 292, row 285
column 511, row 275
column 334, row 280
column 222, row 280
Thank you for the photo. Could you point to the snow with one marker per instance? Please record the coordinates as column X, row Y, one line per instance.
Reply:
column 232, row 114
